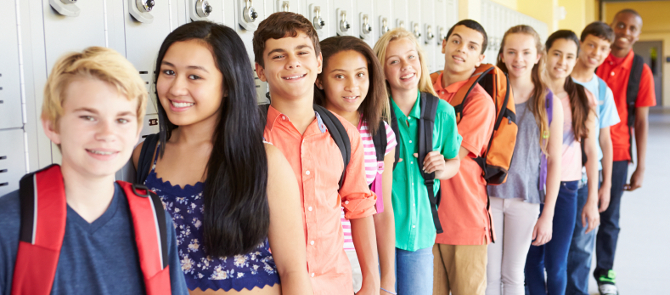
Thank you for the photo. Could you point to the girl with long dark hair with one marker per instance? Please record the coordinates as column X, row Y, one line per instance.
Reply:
column 533, row 182
column 352, row 86
column 231, row 196
column 579, row 126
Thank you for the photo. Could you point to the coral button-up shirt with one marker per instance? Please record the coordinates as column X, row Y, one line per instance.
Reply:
column 317, row 163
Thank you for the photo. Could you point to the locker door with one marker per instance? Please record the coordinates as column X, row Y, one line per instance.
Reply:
column 207, row 10
column 318, row 12
column 341, row 17
column 440, row 31
column 365, row 25
column 400, row 14
column 384, row 21
column 427, row 27
column 10, row 79
column 12, row 160
column 144, row 38
column 248, row 14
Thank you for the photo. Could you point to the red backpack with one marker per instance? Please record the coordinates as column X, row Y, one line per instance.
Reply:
column 43, row 217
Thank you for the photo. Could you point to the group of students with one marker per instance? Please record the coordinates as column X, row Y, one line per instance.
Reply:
column 333, row 187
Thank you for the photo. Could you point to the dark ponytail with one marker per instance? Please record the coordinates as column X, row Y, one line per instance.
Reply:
column 236, row 211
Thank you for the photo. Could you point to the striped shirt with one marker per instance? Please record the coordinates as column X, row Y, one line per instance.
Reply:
column 370, row 169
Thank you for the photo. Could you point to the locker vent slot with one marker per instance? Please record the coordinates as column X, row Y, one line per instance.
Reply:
column 4, row 184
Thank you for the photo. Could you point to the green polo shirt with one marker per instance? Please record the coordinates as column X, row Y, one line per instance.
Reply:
column 414, row 227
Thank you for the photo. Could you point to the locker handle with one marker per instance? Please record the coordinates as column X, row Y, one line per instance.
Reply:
column 3, row 157
column 4, row 184
column 3, row 170
column 2, row 101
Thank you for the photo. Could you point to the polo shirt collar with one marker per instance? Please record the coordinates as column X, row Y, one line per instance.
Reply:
column 416, row 109
column 627, row 62
column 274, row 115
column 453, row 88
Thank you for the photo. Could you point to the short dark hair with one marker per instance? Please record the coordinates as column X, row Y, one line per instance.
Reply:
column 279, row 25
column 471, row 24
column 627, row 10
column 600, row 30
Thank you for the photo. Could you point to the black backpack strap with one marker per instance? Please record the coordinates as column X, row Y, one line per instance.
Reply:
column 396, row 131
column 146, row 159
column 379, row 139
column 339, row 135
column 426, row 125
column 631, row 96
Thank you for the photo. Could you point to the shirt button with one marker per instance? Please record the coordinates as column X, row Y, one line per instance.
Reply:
column 612, row 73
column 310, row 208
column 412, row 183
column 311, row 242
column 283, row 118
column 410, row 141
column 413, row 204
column 312, row 274
column 413, row 226
column 307, row 172
column 346, row 202
column 411, row 162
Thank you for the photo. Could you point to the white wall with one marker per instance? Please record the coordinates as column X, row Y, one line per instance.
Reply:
column 35, row 34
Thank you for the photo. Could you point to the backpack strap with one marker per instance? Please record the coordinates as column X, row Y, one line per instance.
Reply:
column 380, row 141
column 631, row 96
column 146, row 159
column 149, row 223
column 396, row 131
column 426, row 125
column 339, row 135
column 43, row 217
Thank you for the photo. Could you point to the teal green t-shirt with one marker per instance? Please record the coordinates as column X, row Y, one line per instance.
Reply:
column 414, row 227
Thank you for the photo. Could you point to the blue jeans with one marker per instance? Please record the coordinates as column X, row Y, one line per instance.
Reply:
column 554, row 255
column 414, row 271
column 608, row 234
column 581, row 250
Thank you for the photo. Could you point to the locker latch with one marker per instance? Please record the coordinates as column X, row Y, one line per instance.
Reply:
column 383, row 26
column 416, row 29
column 366, row 28
column 140, row 10
column 65, row 7
column 315, row 16
column 203, row 8
column 249, row 16
column 400, row 23
column 284, row 6
column 429, row 33
column 344, row 25
column 440, row 34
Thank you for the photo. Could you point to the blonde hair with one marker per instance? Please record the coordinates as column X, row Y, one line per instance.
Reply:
column 425, row 84
column 94, row 62
column 539, row 77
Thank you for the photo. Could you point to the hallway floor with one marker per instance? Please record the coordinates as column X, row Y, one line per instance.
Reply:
column 643, row 253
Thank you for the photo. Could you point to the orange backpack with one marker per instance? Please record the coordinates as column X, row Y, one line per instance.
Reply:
column 498, row 157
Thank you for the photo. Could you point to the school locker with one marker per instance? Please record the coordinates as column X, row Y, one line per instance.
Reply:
column 342, row 16
column 318, row 13
column 440, row 31
column 205, row 10
column 364, row 24
column 383, row 18
column 400, row 14
column 10, row 79
column 12, row 159
column 427, row 27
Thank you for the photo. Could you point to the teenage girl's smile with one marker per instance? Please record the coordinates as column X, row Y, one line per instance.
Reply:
column 402, row 64
column 345, row 81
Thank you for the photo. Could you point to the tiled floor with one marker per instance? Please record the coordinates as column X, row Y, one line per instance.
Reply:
column 643, row 255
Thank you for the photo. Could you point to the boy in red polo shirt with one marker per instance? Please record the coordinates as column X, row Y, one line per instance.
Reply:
column 616, row 69
column 288, row 57
column 460, row 252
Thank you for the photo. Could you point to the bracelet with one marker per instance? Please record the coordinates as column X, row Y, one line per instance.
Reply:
column 387, row 291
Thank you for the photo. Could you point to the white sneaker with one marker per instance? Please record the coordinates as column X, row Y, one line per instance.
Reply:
column 608, row 289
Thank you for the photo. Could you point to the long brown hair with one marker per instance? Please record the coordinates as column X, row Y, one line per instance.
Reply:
column 375, row 105
column 579, row 102
column 538, row 76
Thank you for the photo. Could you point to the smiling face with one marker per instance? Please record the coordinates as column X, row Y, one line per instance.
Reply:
column 627, row 28
column 462, row 51
column 345, row 81
column 561, row 58
column 402, row 66
column 189, row 85
column 291, row 67
column 520, row 55
column 593, row 51
column 97, row 130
